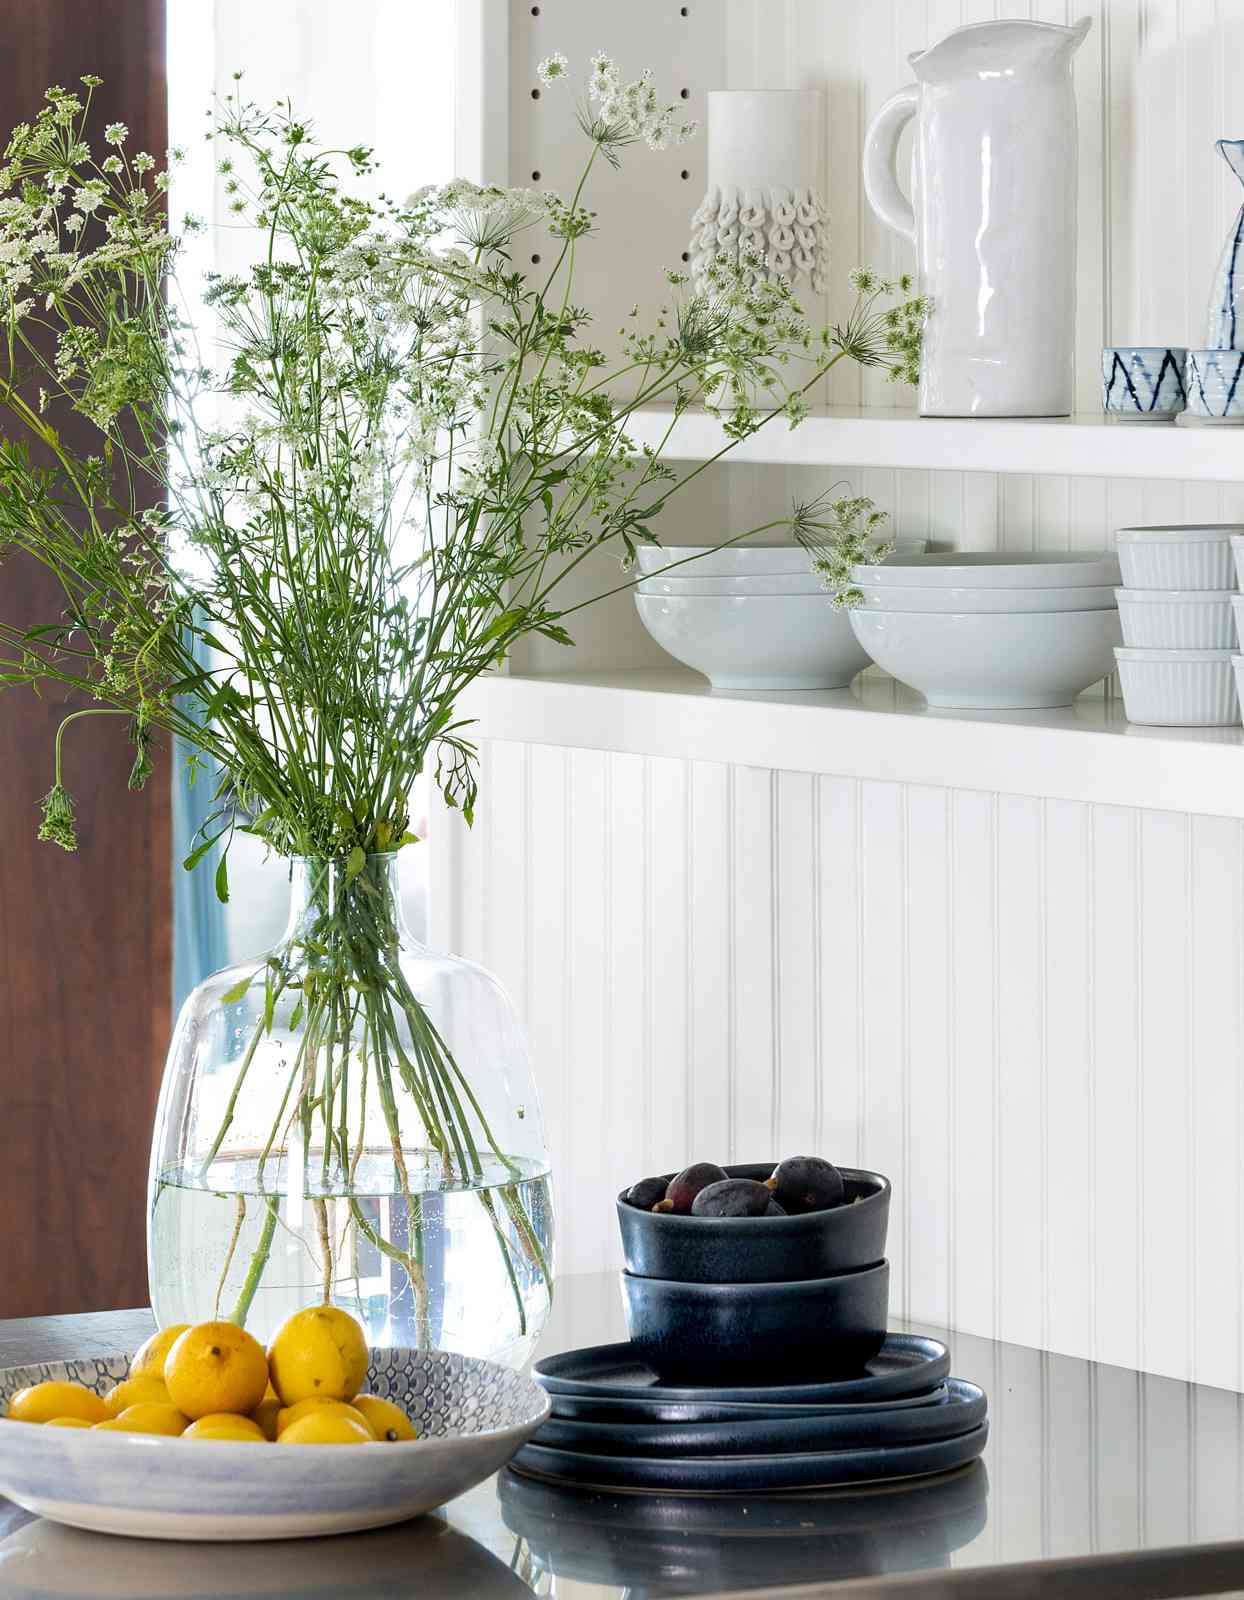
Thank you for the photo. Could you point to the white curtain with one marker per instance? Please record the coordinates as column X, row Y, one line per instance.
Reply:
column 376, row 72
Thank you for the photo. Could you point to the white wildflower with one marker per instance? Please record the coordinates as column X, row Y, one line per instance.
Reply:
column 603, row 85
column 88, row 198
column 143, row 162
column 116, row 133
column 552, row 68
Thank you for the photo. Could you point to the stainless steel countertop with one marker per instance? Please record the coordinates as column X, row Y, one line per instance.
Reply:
column 1097, row 1482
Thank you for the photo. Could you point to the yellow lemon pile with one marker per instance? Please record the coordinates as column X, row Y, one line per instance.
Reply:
column 215, row 1381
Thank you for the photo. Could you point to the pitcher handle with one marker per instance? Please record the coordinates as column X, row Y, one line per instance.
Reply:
column 881, row 161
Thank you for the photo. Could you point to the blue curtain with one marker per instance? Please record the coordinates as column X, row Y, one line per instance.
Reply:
column 200, row 943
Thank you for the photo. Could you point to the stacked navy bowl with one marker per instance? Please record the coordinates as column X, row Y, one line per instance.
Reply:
column 759, row 1360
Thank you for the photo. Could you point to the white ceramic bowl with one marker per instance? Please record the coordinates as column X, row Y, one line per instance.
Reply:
column 1085, row 597
column 792, row 641
column 1179, row 556
column 1177, row 619
column 471, row 1416
column 1179, row 688
column 995, row 569
column 992, row 660
column 759, row 583
column 741, row 560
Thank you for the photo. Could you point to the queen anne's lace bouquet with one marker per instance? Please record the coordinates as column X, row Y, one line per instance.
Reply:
column 296, row 548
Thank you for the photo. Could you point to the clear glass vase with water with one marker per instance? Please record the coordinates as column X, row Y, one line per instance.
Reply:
column 352, row 1118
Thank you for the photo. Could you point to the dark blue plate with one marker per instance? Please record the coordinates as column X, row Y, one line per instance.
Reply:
column 906, row 1364
column 961, row 1409
column 570, row 1408
column 748, row 1474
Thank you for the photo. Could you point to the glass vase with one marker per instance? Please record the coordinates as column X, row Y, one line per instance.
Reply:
column 352, row 1119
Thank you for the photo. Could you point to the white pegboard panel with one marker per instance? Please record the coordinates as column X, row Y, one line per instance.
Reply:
column 644, row 210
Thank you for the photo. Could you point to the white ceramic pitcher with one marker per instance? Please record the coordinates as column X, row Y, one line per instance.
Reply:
column 992, row 215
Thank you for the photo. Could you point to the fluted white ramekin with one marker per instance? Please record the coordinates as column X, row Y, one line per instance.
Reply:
column 1179, row 688
column 1184, row 556
column 1177, row 619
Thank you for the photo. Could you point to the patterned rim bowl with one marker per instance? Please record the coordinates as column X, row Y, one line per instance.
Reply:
column 471, row 1417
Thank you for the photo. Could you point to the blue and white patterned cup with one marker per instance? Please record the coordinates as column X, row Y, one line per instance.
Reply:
column 1216, row 385
column 1144, row 383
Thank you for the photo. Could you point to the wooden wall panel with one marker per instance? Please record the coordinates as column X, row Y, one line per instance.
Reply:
column 85, row 971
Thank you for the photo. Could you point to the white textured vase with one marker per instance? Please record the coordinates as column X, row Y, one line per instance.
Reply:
column 992, row 214
column 763, row 204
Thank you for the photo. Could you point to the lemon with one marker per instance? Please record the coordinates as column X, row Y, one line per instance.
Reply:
column 136, row 1391
column 44, row 1401
column 148, row 1359
column 148, row 1416
column 216, row 1367
column 388, row 1422
column 320, row 1353
column 264, row 1416
column 288, row 1415
column 69, row 1422
column 226, row 1425
column 327, row 1425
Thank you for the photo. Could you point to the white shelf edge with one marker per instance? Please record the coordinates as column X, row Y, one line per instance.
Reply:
column 1082, row 446
column 1087, row 752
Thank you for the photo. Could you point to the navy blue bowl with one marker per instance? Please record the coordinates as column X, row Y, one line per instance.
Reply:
column 816, row 1244
column 713, row 1333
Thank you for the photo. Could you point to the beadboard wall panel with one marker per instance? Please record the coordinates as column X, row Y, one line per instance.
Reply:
column 1028, row 1012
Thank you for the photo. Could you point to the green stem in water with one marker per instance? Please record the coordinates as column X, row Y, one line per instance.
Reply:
column 259, row 1261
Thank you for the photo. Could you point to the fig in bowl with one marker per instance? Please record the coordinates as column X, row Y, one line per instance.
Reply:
column 768, row 1247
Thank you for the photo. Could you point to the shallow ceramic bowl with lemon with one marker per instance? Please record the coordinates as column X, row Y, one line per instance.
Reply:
column 471, row 1416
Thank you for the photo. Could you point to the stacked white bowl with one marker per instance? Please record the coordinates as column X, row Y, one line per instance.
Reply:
column 992, row 630
column 1176, row 665
column 748, row 616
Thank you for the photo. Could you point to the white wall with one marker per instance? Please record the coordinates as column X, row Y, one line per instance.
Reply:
column 1027, row 1012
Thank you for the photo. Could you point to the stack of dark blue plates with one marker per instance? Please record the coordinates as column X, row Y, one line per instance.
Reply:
column 616, row 1425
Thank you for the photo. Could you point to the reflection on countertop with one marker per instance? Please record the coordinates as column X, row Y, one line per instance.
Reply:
column 1085, row 1464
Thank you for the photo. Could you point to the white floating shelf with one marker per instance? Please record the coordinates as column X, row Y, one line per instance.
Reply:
column 1081, row 446
column 876, row 729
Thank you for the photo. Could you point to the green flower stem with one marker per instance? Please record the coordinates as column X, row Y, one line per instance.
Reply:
column 259, row 1261
column 231, row 1106
column 352, row 975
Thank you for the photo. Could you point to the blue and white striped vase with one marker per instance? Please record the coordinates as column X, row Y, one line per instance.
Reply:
column 1224, row 327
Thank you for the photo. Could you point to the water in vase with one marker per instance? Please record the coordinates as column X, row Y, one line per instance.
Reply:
column 448, row 1265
